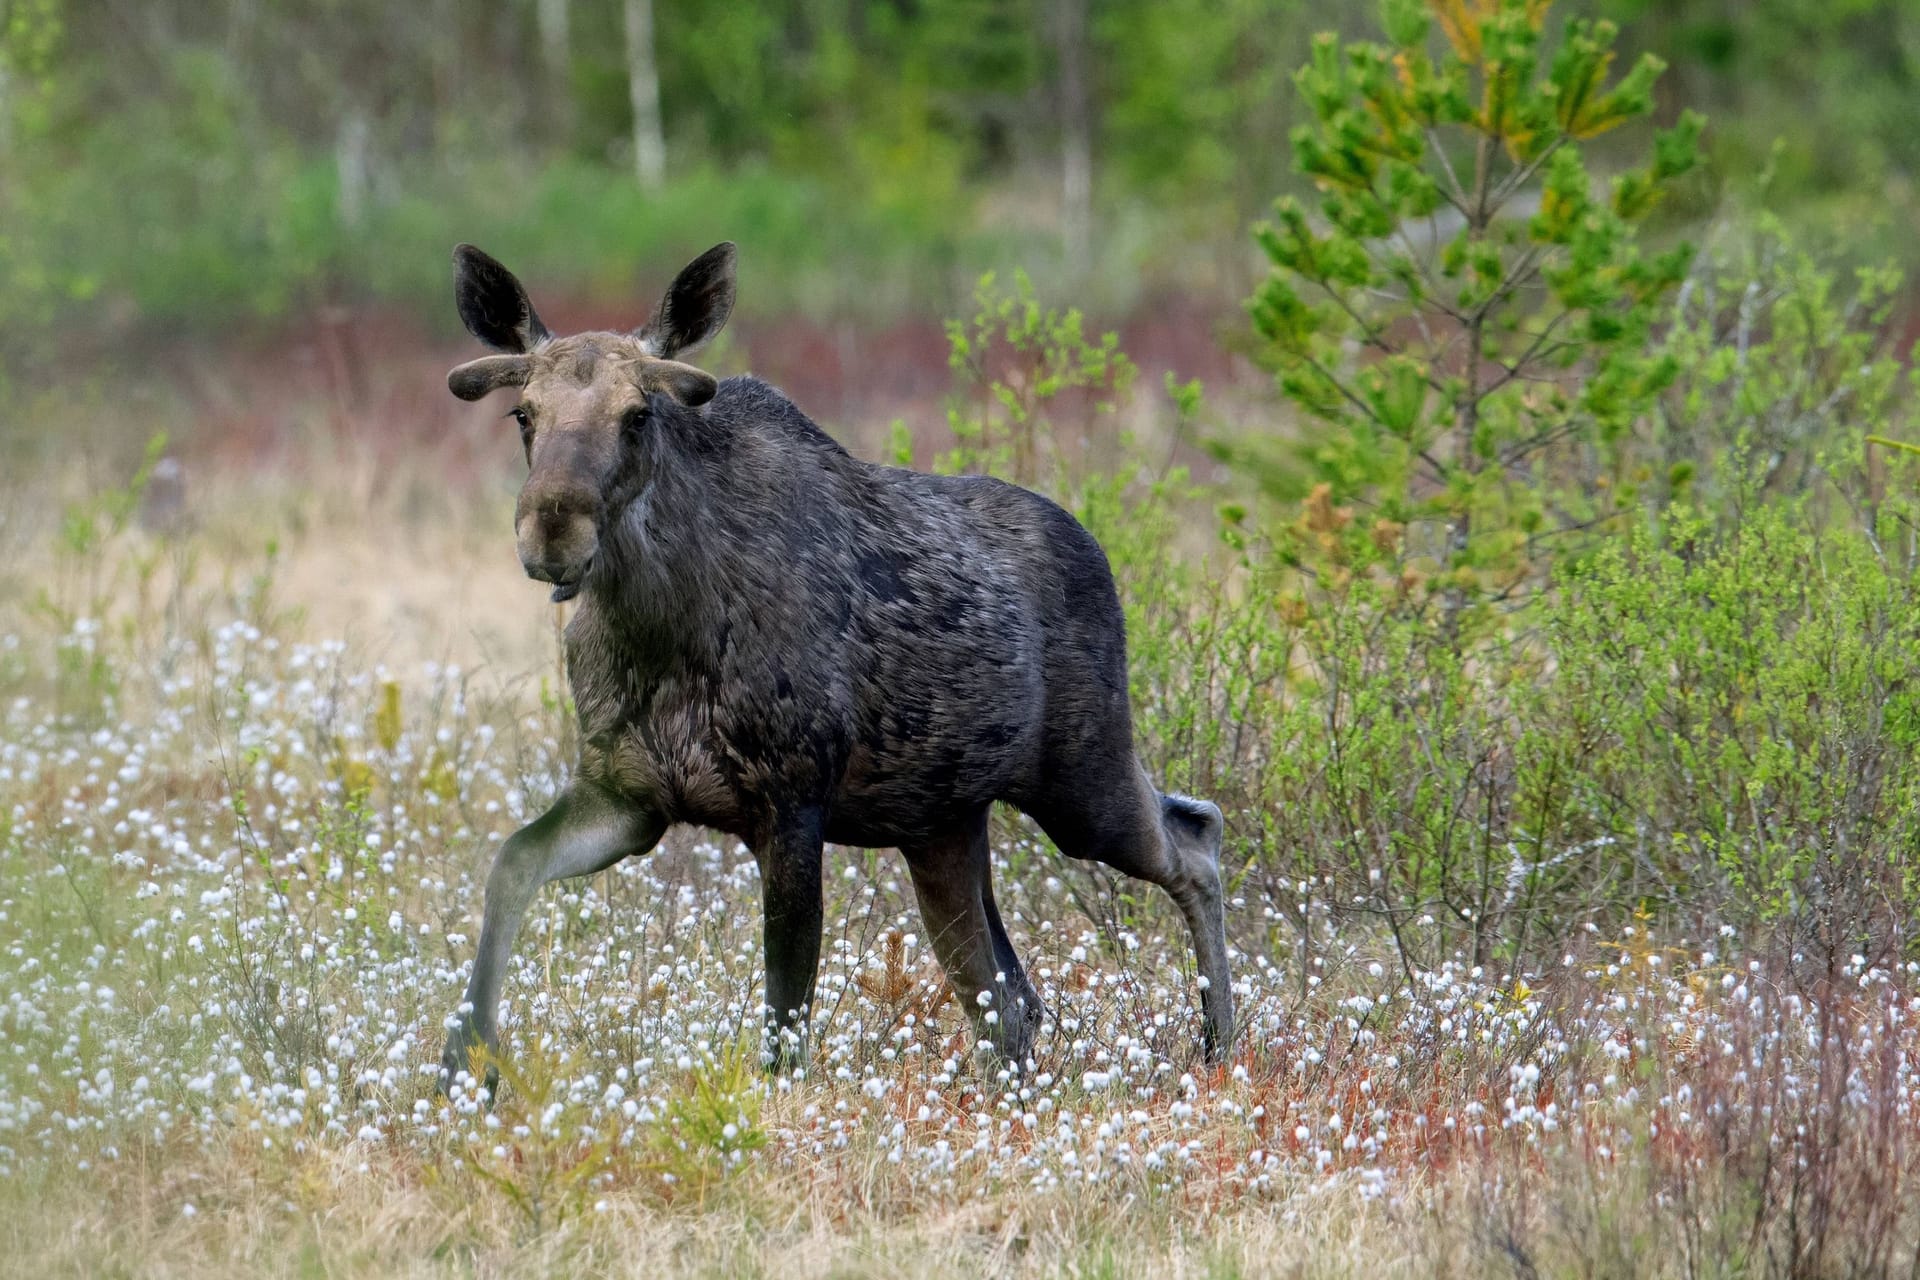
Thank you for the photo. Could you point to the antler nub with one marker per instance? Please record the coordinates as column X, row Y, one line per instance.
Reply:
column 476, row 378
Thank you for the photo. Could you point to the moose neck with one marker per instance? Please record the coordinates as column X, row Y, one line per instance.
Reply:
column 661, row 588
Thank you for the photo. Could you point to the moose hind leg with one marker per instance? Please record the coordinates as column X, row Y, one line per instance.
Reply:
column 1172, row 841
column 1193, row 830
column 952, row 879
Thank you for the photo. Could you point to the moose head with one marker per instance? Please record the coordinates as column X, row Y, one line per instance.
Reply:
column 585, row 401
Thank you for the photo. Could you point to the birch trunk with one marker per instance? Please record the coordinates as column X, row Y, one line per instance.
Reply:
column 643, row 88
column 1076, row 138
column 556, row 52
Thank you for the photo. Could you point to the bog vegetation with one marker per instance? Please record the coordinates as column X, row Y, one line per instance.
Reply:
column 1549, row 642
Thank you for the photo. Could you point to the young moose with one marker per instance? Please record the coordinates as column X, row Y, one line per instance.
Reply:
column 783, row 642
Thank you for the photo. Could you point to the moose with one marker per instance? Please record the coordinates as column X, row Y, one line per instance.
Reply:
column 779, row 641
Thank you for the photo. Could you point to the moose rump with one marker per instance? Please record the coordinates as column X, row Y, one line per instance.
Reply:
column 783, row 642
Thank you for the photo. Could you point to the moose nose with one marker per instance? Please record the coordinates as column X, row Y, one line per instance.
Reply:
column 557, row 546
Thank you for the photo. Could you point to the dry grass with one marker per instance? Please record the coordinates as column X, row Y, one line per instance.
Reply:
column 333, row 1216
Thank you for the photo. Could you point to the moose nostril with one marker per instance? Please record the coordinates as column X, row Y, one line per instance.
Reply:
column 571, row 505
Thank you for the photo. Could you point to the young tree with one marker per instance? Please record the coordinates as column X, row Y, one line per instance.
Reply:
column 1466, row 323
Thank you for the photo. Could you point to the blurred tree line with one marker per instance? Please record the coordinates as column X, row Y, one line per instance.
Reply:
column 194, row 160
column 1821, row 92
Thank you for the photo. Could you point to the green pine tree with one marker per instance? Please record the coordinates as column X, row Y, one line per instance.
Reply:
column 1464, row 319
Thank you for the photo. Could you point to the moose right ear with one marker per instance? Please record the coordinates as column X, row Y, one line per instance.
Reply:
column 492, row 304
column 476, row 378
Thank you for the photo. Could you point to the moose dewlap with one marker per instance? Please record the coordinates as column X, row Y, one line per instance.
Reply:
column 782, row 642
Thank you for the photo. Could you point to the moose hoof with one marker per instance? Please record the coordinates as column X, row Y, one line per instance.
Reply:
column 1016, row 1052
column 459, row 1059
column 784, row 1053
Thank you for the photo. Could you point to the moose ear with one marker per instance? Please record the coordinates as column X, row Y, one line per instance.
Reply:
column 476, row 378
column 690, row 386
column 492, row 304
column 696, row 306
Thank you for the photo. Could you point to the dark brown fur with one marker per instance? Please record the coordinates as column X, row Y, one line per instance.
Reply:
column 780, row 641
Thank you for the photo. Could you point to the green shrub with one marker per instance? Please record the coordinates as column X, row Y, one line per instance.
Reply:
column 1784, row 371
column 1748, row 705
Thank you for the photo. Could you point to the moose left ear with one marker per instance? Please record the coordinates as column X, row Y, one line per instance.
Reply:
column 696, row 306
column 690, row 386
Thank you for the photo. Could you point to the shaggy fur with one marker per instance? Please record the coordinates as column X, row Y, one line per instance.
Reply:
column 782, row 642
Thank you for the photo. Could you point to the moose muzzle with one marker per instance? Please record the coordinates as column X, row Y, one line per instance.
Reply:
column 557, row 536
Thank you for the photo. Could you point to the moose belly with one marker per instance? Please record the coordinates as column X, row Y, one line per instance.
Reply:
column 901, row 761
column 943, row 726
column 900, row 789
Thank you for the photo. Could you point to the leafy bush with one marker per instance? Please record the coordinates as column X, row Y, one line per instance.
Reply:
column 1784, row 372
column 1022, row 365
column 1714, row 722
column 1746, row 703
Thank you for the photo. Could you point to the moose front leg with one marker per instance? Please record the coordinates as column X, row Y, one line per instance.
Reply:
column 586, row 830
column 790, row 898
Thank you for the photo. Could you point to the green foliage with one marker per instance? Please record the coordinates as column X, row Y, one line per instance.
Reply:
column 1785, row 370
column 1467, row 323
column 258, row 162
column 172, row 159
column 1021, row 365
column 252, row 229
column 1704, row 717
column 1746, row 701
column 87, row 583
column 1809, row 101
column 29, row 36
column 551, row 1158
column 713, row 1120
column 1194, row 83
